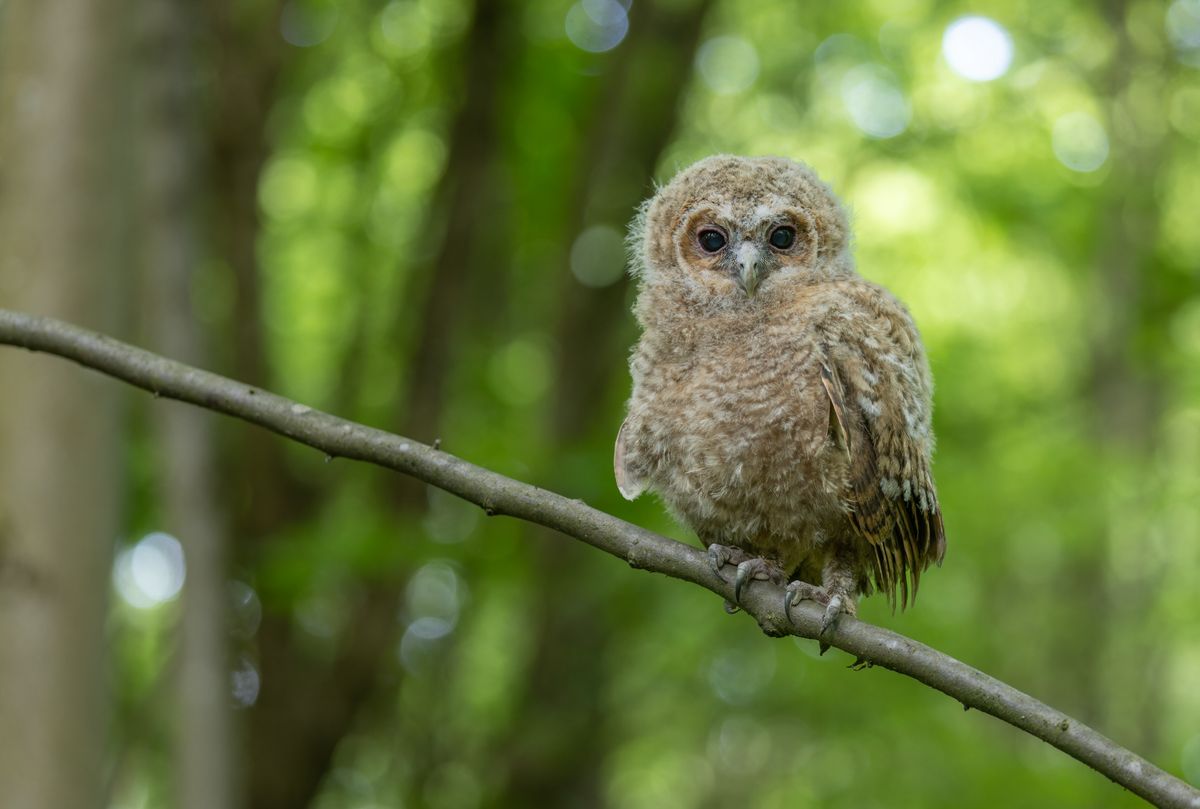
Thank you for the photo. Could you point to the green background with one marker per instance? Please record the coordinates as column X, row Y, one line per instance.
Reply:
column 436, row 210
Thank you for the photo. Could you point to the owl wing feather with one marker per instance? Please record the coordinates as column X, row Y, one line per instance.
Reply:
column 879, row 392
column 630, row 486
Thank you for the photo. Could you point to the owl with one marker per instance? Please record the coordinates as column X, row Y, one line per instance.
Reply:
column 781, row 403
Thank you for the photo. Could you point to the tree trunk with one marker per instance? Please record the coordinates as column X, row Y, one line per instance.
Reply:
column 60, row 218
column 169, row 190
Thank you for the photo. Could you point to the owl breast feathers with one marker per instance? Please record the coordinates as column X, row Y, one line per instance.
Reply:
column 781, row 403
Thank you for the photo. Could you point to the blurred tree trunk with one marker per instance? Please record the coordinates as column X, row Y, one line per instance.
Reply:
column 295, row 748
column 62, row 200
column 170, row 188
column 248, row 55
column 556, row 751
column 1126, row 395
column 1129, row 392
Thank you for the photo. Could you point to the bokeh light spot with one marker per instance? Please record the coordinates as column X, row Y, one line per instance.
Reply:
column 896, row 200
column 244, row 683
column 245, row 610
column 420, row 641
column 598, row 256
column 741, row 744
column 406, row 29
column 596, row 26
column 289, row 187
column 1183, row 29
column 727, row 64
column 151, row 572
column 435, row 591
column 977, row 48
column 520, row 371
column 738, row 675
column 414, row 159
column 305, row 24
column 1185, row 111
column 1080, row 142
column 874, row 101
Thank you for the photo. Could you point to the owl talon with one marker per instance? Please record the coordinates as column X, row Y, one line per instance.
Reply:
column 721, row 555
column 743, row 574
column 833, row 611
column 798, row 591
column 752, row 569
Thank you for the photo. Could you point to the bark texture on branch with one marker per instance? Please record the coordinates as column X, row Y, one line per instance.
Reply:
column 640, row 548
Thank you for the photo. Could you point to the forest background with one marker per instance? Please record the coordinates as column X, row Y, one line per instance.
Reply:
column 412, row 214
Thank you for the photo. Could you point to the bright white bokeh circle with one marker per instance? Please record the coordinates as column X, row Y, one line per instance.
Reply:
column 977, row 48
column 151, row 572
column 597, row 26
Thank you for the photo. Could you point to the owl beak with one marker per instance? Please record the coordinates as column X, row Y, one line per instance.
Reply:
column 749, row 263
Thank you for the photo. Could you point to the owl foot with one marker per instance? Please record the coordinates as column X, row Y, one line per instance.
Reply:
column 718, row 557
column 749, row 568
column 721, row 555
column 835, row 602
column 752, row 569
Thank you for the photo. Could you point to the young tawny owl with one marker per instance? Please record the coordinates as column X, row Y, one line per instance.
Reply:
column 781, row 403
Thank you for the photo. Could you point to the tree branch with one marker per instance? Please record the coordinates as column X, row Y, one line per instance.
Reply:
column 640, row 548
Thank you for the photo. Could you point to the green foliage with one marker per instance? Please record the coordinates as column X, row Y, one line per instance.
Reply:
column 1072, row 510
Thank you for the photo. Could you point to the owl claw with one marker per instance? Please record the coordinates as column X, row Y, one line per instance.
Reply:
column 833, row 611
column 752, row 569
column 836, row 604
column 798, row 591
column 748, row 569
column 743, row 575
column 721, row 555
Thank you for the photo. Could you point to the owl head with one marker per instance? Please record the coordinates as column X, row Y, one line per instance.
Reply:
column 732, row 230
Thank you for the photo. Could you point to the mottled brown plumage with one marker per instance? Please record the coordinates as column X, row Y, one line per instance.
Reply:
column 781, row 403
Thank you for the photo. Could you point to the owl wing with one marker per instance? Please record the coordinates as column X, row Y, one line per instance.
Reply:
column 630, row 486
column 879, row 389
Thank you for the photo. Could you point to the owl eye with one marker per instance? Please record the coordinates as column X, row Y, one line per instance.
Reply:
column 783, row 237
column 711, row 240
